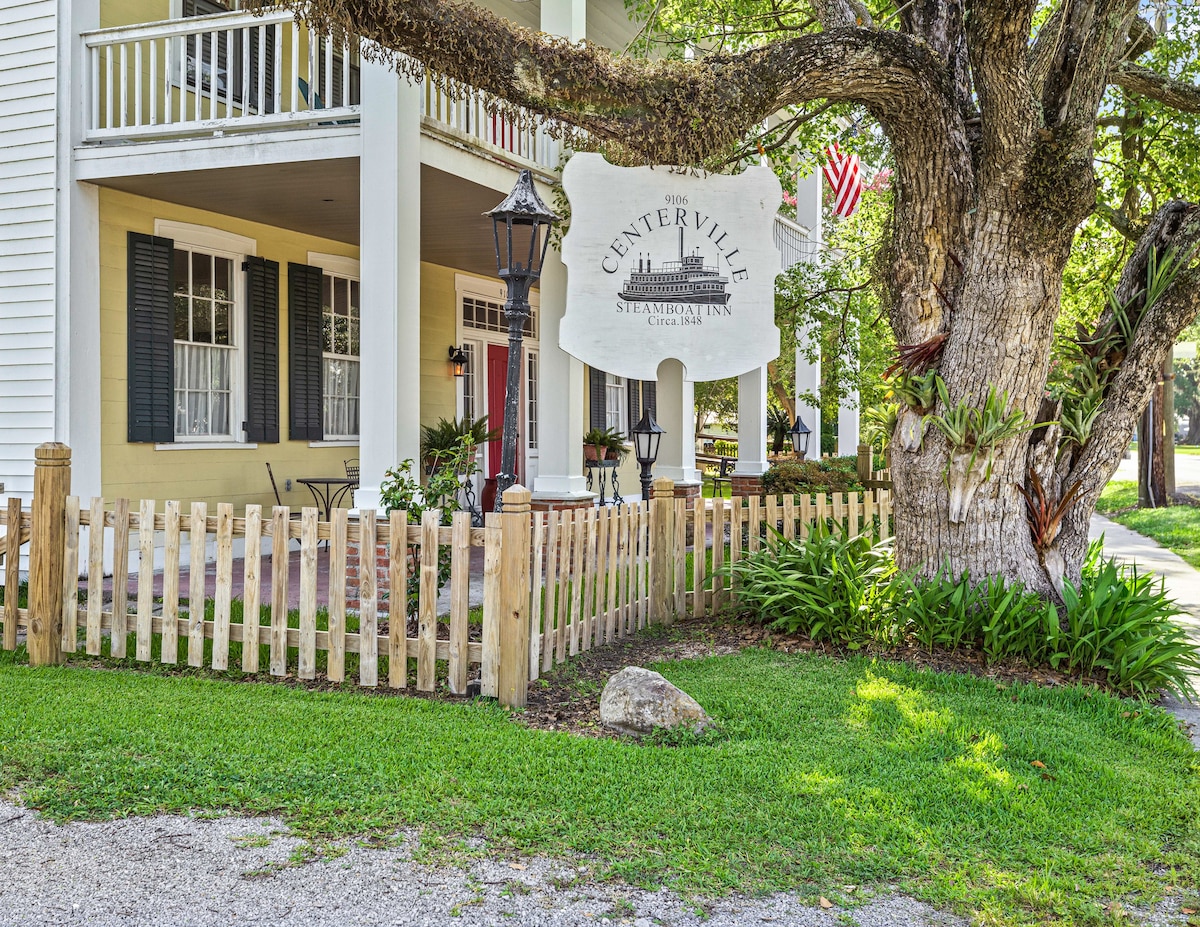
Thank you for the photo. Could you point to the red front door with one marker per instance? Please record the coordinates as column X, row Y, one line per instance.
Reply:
column 497, row 380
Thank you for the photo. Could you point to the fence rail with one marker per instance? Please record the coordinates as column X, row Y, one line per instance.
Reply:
column 553, row 585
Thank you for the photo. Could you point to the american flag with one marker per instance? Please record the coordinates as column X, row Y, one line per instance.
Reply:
column 841, row 170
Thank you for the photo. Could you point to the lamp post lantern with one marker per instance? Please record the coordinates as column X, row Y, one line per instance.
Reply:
column 517, row 224
column 647, row 435
column 800, row 434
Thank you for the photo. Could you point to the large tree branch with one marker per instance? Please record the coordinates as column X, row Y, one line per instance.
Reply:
column 1091, row 38
column 1175, row 226
column 667, row 111
column 1176, row 94
column 999, row 39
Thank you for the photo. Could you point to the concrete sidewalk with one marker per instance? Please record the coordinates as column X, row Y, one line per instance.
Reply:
column 1183, row 585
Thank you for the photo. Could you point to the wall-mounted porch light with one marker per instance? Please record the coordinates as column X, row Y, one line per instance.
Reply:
column 458, row 361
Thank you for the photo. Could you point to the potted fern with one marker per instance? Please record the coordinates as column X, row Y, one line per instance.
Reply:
column 603, row 444
column 441, row 442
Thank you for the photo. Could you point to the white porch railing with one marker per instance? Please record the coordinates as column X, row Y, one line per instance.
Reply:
column 464, row 110
column 213, row 74
column 794, row 244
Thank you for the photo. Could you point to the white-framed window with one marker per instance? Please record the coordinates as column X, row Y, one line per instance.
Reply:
column 340, row 358
column 341, row 366
column 209, row 322
column 616, row 404
column 470, row 380
column 531, row 400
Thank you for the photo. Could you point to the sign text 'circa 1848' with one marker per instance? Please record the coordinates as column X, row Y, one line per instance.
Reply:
column 664, row 264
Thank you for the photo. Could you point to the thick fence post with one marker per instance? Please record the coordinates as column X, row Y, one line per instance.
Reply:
column 51, row 484
column 864, row 463
column 662, row 552
column 515, row 550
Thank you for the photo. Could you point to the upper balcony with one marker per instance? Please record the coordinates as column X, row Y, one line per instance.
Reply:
column 230, row 73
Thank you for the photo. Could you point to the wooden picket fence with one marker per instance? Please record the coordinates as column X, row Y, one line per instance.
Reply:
column 167, row 625
column 554, row 585
column 599, row 565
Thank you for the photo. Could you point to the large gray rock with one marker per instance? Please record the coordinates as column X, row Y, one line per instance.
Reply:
column 637, row 701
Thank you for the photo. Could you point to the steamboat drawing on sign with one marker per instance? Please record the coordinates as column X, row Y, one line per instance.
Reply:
column 687, row 280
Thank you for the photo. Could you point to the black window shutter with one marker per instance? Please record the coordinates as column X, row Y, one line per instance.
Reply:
column 634, row 389
column 305, row 343
column 262, row 350
column 650, row 397
column 598, row 412
column 151, row 339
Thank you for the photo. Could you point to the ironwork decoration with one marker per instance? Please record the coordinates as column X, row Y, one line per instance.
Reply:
column 608, row 474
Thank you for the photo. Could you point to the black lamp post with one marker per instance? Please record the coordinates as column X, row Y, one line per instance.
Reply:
column 647, row 435
column 517, row 224
column 800, row 434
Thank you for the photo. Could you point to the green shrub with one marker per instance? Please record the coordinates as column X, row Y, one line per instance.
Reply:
column 724, row 448
column 1115, row 622
column 804, row 477
column 828, row 586
column 1119, row 620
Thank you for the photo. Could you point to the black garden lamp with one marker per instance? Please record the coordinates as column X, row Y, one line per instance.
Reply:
column 647, row 435
column 517, row 224
column 458, row 361
column 800, row 434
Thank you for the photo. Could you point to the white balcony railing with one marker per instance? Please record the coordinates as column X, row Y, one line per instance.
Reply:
column 213, row 74
column 464, row 110
column 794, row 243
column 233, row 72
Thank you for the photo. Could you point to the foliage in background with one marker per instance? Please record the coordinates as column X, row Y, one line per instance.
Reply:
column 835, row 304
column 1116, row 623
column 716, row 402
column 805, row 477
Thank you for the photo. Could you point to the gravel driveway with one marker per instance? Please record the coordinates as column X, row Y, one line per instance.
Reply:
column 172, row 870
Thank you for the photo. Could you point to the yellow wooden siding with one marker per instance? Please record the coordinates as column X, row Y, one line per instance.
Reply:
column 438, row 312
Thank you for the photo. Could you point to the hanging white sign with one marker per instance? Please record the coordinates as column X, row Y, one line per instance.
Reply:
column 665, row 264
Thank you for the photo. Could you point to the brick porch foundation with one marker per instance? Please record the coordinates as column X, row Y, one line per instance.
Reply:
column 746, row 484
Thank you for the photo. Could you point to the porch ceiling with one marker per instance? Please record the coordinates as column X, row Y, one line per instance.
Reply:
column 315, row 197
column 321, row 198
column 454, row 230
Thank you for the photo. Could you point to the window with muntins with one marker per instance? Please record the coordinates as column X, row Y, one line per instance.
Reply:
column 206, row 314
column 340, row 358
column 615, row 410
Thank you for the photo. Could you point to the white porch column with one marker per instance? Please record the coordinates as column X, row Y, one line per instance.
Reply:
column 562, row 405
column 567, row 18
column 808, row 379
column 77, row 415
column 752, row 423
column 847, row 445
column 390, row 265
column 677, row 416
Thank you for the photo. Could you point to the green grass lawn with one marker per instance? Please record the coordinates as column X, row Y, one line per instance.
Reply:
column 1015, row 804
column 1176, row 527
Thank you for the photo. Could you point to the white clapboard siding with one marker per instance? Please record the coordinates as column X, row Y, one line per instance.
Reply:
column 27, row 171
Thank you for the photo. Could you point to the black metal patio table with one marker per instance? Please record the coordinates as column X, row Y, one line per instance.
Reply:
column 328, row 491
